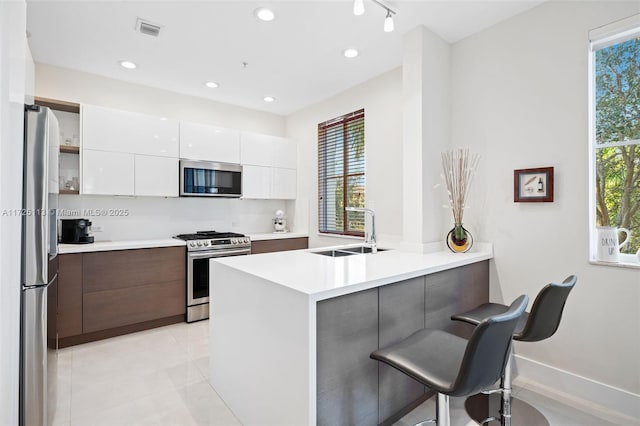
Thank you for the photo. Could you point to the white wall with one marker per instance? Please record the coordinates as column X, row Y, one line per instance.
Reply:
column 153, row 217
column 12, row 97
column 157, row 217
column 520, row 100
column 381, row 99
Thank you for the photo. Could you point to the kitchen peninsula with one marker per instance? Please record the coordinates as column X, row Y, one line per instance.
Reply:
column 291, row 332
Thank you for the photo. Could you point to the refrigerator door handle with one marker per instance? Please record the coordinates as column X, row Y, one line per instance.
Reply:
column 35, row 199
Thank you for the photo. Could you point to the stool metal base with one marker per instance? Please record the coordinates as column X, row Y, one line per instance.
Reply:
column 485, row 409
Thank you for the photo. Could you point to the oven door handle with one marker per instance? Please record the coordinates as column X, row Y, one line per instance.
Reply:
column 223, row 254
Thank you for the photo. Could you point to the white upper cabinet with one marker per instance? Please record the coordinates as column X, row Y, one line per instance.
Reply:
column 113, row 130
column 268, row 183
column 156, row 176
column 210, row 143
column 264, row 150
column 256, row 182
column 107, row 173
column 283, row 184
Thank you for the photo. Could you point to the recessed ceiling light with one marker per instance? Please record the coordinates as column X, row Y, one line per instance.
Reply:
column 128, row 65
column 211, row 84
column 351, row 53
column 269, row 99
column 264, row 14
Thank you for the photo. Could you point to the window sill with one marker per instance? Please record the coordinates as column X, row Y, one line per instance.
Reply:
column 352, row 237
column 626, row 261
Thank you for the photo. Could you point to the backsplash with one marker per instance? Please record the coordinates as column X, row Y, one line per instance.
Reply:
column 138, row 218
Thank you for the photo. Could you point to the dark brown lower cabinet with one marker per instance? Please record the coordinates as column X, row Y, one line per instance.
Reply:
column 70, row 295
column 105, row 294
column 354, row 389
column 284, row 244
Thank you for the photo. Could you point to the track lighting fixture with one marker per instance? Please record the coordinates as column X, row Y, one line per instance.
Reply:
column 388, row 22
column 358, row 9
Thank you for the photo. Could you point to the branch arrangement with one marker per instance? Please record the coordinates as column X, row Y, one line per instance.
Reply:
column 459, row 168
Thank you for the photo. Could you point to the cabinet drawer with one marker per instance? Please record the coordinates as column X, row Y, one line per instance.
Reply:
column 125, row 306
column 132, row 268
column 268, row 246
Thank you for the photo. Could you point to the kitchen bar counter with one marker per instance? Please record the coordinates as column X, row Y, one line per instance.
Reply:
column 322, row 277
column 119, row 245
column 291, row 332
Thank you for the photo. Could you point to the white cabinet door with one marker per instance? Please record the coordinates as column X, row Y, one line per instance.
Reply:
column 264, row 150
column 283, row 184
column 202, row 142
column 256, row 182
column 109, row 129
column 156, row 176
column 107, row 173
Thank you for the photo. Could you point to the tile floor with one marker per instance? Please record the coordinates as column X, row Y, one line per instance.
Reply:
column 159, row 377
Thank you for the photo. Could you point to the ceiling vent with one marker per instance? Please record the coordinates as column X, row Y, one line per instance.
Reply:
column 148, row 28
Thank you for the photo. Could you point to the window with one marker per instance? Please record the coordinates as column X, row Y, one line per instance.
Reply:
column 615, row 132
column 341, row 174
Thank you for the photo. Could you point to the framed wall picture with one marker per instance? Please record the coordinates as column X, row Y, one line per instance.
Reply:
column 533, row 185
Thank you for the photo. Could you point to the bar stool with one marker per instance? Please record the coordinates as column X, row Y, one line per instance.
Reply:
column 541, row 323
column 451, row 365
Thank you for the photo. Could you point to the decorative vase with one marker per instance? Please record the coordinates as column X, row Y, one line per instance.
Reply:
column 459, row 240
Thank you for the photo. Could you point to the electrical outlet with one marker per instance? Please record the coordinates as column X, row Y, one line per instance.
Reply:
column 95, row 228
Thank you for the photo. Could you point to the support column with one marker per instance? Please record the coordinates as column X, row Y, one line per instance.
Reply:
column 426, row 66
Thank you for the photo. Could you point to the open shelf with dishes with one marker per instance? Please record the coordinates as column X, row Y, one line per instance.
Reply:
column 68, row 115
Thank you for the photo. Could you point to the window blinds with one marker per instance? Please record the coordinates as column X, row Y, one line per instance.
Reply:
column 341, row 174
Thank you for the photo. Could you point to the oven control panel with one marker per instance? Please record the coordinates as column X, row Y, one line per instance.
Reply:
column 219, row 243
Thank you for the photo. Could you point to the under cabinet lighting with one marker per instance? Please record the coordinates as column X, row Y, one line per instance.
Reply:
column 269, row 99
column 211, row 84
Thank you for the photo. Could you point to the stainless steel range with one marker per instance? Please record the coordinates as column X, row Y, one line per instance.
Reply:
column 201, row 247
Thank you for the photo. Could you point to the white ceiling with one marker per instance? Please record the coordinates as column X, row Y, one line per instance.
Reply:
column 297, row 58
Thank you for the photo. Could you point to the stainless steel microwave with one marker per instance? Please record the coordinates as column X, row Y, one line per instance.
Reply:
column 210, row 179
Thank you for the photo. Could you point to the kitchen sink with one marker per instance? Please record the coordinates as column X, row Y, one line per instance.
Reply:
column 346, row 251
column 334, row 253
column 360, row 249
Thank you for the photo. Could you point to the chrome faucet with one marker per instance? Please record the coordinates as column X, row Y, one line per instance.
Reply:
column 369, row 238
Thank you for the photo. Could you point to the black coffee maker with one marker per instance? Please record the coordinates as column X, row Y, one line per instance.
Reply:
column 75, row 231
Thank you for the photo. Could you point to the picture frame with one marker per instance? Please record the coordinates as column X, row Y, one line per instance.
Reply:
column 533, row 185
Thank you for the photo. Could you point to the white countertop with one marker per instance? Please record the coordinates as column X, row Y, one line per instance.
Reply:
column 323, row 277
column 276, row 236
column 118, row 245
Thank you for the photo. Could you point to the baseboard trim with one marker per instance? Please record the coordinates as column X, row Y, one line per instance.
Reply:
column 597, row 395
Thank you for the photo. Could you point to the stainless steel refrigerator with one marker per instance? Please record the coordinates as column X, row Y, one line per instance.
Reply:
column 38, row 340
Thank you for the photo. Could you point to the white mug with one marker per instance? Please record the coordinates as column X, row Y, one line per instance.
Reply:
column 607, row 245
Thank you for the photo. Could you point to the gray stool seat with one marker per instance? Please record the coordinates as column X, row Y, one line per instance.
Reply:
column 432, row 357
column 540, row 323
column 453, row 366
